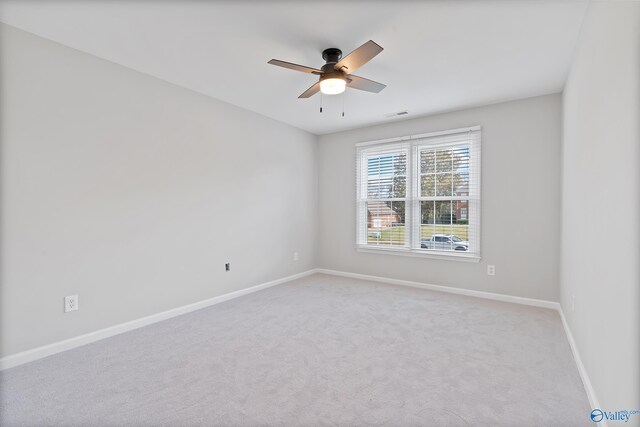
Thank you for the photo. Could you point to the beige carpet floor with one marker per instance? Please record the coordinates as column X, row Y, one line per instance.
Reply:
column 321, row 350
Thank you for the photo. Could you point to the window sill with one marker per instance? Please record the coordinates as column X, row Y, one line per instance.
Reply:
column 448, row 256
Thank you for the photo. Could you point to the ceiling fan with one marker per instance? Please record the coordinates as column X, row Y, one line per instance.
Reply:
column 336, row 75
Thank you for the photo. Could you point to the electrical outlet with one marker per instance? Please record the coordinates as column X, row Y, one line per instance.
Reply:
column 491, row 270
column 227, row 267
column 70, row 303
column 295, row 256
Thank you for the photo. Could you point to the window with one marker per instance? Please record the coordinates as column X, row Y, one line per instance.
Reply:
column 386, row 197
column 420, row 195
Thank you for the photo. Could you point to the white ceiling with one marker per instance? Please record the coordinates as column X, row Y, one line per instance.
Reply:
column 438, row 56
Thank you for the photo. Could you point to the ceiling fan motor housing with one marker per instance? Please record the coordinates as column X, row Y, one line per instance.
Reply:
column 332, row 55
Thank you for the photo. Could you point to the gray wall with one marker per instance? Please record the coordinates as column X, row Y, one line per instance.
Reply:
column 601, row 202
column 520, row 201
column 133, row 193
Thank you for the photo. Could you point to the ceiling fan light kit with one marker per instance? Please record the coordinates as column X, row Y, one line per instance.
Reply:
column 332, row 85
column 335, row 74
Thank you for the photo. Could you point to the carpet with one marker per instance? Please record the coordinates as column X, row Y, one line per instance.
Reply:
column 321, row 350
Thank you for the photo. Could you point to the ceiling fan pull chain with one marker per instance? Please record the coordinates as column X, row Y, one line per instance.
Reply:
column 321, row 102
column 343, row 96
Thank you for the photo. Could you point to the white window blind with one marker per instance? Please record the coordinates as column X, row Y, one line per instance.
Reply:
column 421, row 194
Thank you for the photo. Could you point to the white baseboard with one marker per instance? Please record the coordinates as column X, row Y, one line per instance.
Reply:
column 57, row 347
column 591, row 394
column 460, row 291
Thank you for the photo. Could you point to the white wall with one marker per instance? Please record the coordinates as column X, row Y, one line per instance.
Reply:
column 601, row 202
column 520, row 201
column 133, row 193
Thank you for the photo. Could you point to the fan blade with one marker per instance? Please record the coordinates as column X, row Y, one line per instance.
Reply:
column 294, row 67
column 359, row 57
column 311, row 91
column 361, row 83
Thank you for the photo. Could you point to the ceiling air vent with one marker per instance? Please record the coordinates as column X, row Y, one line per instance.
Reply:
column 399, row 113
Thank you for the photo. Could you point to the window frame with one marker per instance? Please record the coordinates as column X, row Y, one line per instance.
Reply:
column 411, row 145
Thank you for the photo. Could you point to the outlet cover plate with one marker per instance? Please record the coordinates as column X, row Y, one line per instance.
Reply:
column 70, row 303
